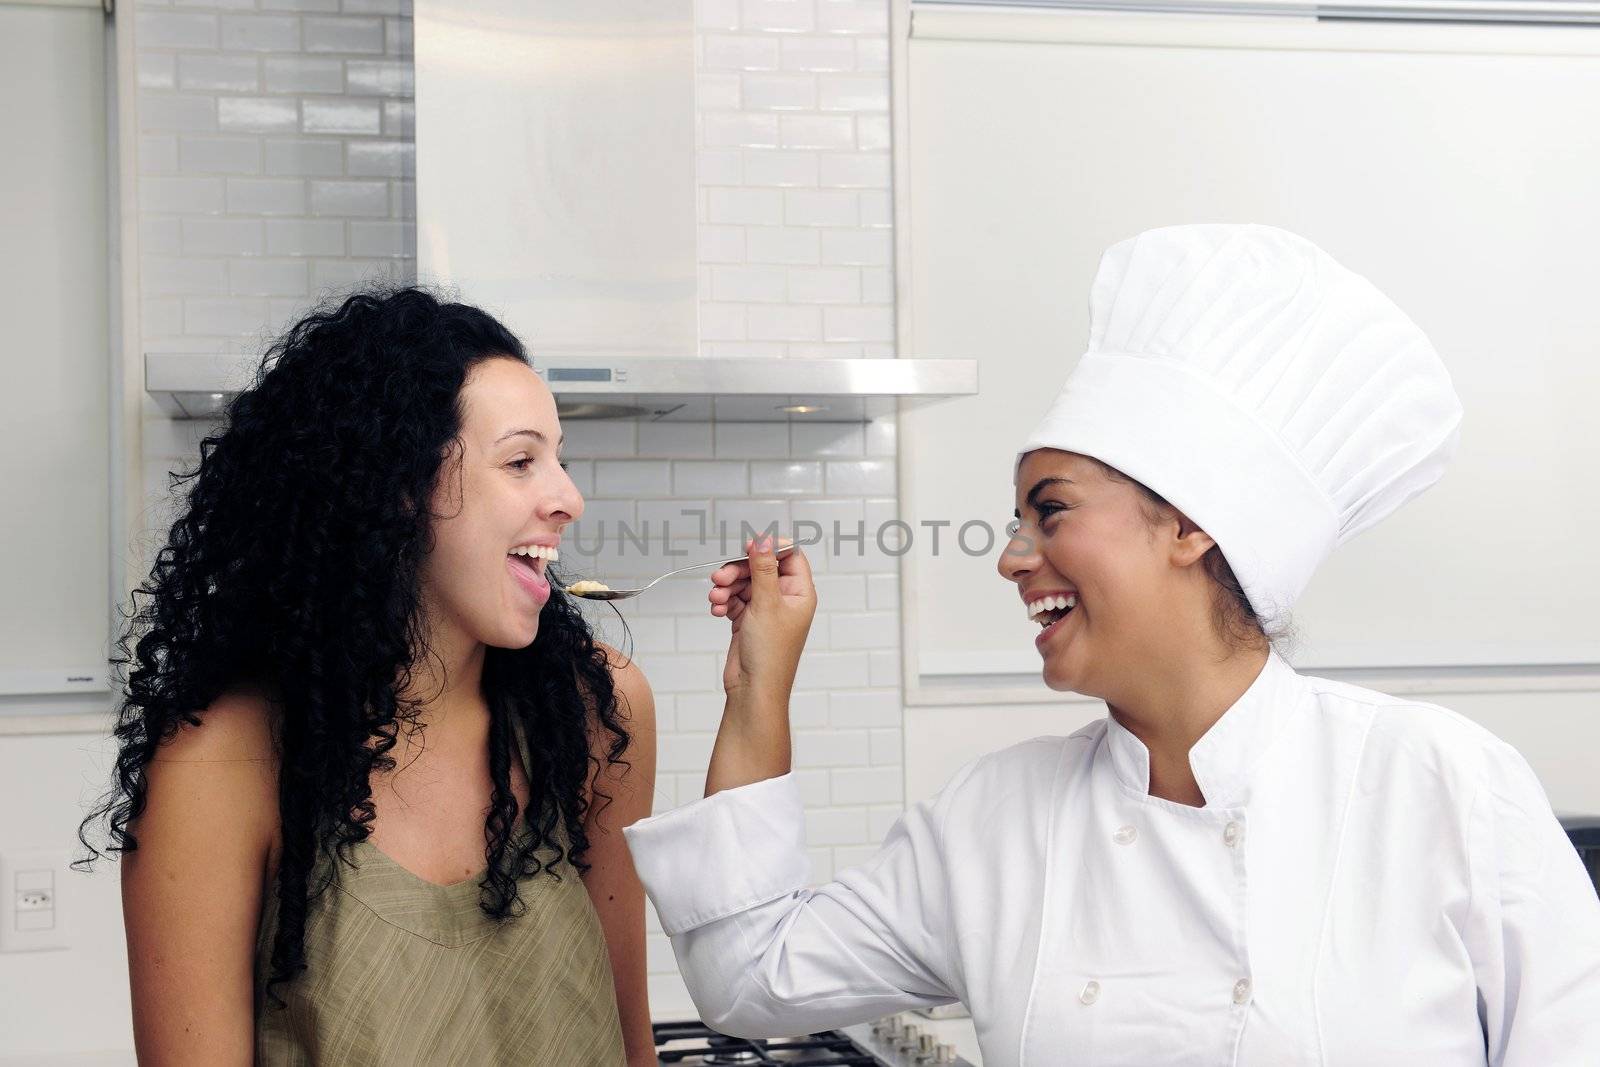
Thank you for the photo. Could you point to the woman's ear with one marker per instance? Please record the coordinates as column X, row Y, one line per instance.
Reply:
column 1191, row 543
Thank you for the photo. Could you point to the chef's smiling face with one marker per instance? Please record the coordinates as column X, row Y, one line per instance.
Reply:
column 1084, row 535
column 504, row 487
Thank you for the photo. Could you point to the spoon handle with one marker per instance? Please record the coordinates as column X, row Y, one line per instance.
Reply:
column 720, row 562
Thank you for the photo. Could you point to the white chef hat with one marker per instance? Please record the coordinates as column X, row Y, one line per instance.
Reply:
column 1277, row 399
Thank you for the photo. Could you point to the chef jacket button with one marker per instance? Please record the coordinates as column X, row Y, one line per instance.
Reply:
column 1126, row 835
column 1091, row 993
column 1232, row 834
column 1241, row 991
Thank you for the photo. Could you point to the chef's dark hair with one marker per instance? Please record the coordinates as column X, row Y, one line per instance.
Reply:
column 293, row 568
column 1232, row 613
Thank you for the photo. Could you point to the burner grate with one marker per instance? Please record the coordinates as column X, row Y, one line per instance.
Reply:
column 707, row 1048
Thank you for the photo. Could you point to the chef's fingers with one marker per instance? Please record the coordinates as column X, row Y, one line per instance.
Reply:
column 721, row 594
column 729, row 573
column 763, row 571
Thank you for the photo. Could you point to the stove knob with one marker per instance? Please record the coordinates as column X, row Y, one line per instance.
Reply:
column 944, row 1054
column 908, row 1038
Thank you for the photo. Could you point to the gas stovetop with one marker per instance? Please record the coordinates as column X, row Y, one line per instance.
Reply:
column 891, row 1042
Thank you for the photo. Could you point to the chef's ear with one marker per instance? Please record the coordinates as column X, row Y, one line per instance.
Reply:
column 1190, row 544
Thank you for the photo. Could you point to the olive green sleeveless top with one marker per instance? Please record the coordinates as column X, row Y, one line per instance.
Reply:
column 403, row 971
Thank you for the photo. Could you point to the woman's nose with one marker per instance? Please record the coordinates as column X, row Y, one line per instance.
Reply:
column 1019, row 557
column 567, row 503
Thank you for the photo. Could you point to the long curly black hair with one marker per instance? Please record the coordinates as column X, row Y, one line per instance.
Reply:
column 294, row 567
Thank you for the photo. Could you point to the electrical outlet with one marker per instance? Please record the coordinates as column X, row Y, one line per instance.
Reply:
column 31, row 916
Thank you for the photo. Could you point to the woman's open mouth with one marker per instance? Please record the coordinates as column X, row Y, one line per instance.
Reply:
column 1051, row 612
column 527, row 567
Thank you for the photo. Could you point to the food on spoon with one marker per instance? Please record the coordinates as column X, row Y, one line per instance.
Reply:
column 587, row 586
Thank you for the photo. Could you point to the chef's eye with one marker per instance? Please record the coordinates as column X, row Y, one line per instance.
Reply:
column 521, row 464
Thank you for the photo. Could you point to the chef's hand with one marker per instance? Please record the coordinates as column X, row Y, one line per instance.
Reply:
column 770, row 600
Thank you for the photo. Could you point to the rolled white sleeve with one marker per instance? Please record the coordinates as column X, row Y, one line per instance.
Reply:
column 765, row 956
column 1536, row 947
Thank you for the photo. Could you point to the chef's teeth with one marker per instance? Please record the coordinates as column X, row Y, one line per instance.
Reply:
column 538, row 552
column 1051, row 603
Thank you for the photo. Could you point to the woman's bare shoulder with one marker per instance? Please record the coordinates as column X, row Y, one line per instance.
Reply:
column 237, row 726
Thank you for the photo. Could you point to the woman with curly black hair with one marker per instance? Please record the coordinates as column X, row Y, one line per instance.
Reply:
column 368, row 743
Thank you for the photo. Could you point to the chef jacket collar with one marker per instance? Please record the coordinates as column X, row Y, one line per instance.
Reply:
column 1225, row 757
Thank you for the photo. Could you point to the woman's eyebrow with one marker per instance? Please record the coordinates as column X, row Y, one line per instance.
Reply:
column 531, row 433
column 1040, row 486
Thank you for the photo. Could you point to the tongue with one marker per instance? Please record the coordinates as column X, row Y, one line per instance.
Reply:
column 526, row 561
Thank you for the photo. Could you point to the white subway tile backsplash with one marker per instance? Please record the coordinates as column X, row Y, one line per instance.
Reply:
column 171, row 29
column 780, row 244
column 867, row 477
column 733, row 53
column 351, row 35
column 877, row 209
column 738, row 129
column 237, row 316
column 787, row 92
column 180, row 114
column 305, row 237
column 268, row 277
column 735, row 521
column 335, row 277
column 858, row 323
column 600, row 438
column 872, row 133
column 832, row 748
column 381, row 159
column 156, row 70
column 852, row 92
column 853, row 16
column 160, row 236
column 266, row 196
column 304, row 158
column 865, row 170
column 341, row 117
column 182, row 275
column 260, row 33
column 616, row 477
column 749, row 440
column 771, row 167
column 872, row 54
column 887, row 747
column 817, row 53
column 717, row 92
column 397, row 37
column 192, row 195
column 713, row 477
column 399, row 118
column 208, row 236
column 719, row 166
column 789, row 476
column 864, row 247
column 678, row 440
column 403, row 199
column 885, row 667
column 303, row 74
column 748, row 284
column 828, row 438
column 816, row 131
column 803, row 207
column 825, row 285
column 722, row 244
column 387, row 238
column 783, row 16
column 883, row 592
column 349, row 198
column 782, row 322
column 835, row 592
column 716, row 14
column 258, row 114
column 876, row 629
column 158, row 154
column 751, row 207
column 233, row 73
column 386, row 77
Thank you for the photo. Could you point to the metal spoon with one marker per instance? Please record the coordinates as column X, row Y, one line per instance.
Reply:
column 624, row 594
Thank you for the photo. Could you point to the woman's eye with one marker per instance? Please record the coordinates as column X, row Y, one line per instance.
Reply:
column 520, row 464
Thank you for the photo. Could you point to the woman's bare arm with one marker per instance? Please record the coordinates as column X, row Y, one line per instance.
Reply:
column 612, row 884
column 192, row 890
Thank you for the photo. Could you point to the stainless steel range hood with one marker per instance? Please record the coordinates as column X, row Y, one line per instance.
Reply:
column 189, row 385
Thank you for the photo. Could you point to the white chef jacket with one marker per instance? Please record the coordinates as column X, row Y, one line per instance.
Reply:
column 1372, row 881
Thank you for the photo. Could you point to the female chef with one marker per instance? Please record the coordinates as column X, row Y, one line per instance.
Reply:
column 1239, row 865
